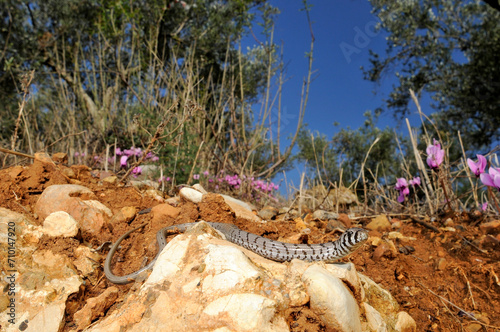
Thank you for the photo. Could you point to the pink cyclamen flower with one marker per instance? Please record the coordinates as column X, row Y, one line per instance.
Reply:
column 206, row 173
column 415, row 181
column 151, row 156
column 118, row 152
column 196, row 176
column 402, row 186
column 477, row 167
column 136, row 171
column 123, row 161
column 484, row 206
column 492, row 179
column 435, row 155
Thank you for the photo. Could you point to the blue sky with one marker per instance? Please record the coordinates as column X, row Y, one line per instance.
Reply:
column 339, row 92
column 344, row 34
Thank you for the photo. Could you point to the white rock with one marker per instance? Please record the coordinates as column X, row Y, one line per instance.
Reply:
column 244, row 205
column 166, row 313
column 203, row 283
column 8, row 219
column 191, row 285
column 169, row 261
column 60, row 223
column 199, row 187
column 246, row 312
column 405, row 323
column 347, row 272
column 86, row 260
column 331, row 300
column 375, row 320
column 241, row 209
column 379, row 298
column 298, row 266
column 43, row 309
column 50, row 319
column 227, row 266
column 191, row 195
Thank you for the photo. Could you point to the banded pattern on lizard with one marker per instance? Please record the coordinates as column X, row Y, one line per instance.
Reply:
column 347, row 243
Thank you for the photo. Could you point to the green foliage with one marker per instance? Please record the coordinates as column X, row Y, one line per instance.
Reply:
column 347, row 150
column 108, row 72
column 449, row 50
column 95, row 45
column 318, row 153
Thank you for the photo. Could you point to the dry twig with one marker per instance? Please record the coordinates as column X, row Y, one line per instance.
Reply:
column 457, row 307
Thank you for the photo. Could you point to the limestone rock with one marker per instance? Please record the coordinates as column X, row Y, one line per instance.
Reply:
column 405, row 323
column 60, row 157
column 380, row 299
column 86, row 261
column 191, row 195
column 348, row 274
column 492, row 227
column 42, row 309
column 241, row 209
column 325, row 215
column 125, row 215
column 60, row 223
column 58, row 197
column 249, row 312
column 374, row 318
column 268, row 213
column 200, row 282
column 43, row 157
column 69, row 173
column 379, row 223
column 200, row 188
column 112, row 179
column 78, row 201
column 144, row 184
column 233, row 200
column 95, row 306
column 156, row 194
column 331, row 300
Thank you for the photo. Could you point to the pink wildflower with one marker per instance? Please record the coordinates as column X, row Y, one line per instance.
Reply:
column 435, row 155
column 477, row 167
column 402, row 186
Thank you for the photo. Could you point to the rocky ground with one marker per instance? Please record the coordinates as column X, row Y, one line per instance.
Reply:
column 446, row 278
